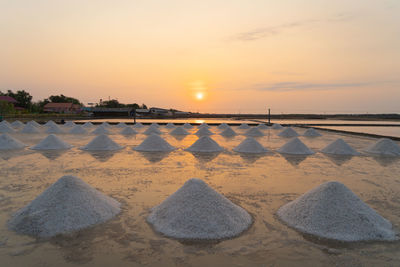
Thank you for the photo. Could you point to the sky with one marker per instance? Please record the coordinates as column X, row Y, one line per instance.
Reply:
column 219, row 56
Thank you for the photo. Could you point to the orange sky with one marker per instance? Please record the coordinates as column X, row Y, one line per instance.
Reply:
column 243, row 56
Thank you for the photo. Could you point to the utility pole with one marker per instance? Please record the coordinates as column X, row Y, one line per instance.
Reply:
column 269, row 116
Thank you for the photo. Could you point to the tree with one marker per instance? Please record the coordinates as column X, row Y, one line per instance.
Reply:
column 6, row 108
column 23, row 98
column 144, row 106
column 113, row 103
column 63, row 99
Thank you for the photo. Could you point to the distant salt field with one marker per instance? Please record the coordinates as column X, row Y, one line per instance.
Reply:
column 260, row 183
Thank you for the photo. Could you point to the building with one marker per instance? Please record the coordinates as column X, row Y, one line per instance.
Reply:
column 62, row 108
column 11, row 100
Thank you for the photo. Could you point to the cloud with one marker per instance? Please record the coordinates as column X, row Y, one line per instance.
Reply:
column 264, row 32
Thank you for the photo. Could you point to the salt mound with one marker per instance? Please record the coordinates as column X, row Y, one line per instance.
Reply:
column 154, row 125
column 244, row 126
column 17, row 124
column 68, row 205
column 254, row 132
column 105, row 124
column 69, row 124
column 250, row 145
column 333, row 211
column 179, row 131
column 101, row 130
column 339, row 147
column 288, row 132
column 138, row 125
column 276, row 126
column 203, row 131
column 196, row 211
column 154, row 143
column 223, row 126
column 228, row 132
column 4, row 128
column 203, row 125
column 121, row 125
column 50, row 123
column 78, row 129
column 51, row 142
column 187, row 126
column 311, row 132
column 296, row 147
column 7, row 142
column 4, row 122
column 53, row 129
column 262, row 126
column 170, row 125
column 88, row 124
column 152, row 130
column 384, row 147
column 29, row 128
column 128, row 131
column 102, row 143
column 34, row 123
column 205, row 144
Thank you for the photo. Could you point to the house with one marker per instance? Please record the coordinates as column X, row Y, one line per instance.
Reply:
column 11, row 100
column 62, row 108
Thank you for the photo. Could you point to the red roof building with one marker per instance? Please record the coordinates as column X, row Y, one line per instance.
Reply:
column 62, row 108
column 8, row 99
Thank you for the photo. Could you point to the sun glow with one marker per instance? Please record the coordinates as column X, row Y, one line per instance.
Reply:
column 199, row 96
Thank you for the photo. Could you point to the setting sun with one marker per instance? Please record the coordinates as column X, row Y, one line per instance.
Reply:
column 199, row 96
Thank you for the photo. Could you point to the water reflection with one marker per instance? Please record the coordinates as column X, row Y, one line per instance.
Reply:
column 294, row 160
column 386, row 161
column 52, row 154
column 154, row 157
column 179, row 137
column 251, row 157
column 102, row 156
column 8, row 154
column 339, row 159
column 205, row 157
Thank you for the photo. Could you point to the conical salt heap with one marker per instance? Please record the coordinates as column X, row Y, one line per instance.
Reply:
column 228, row 132
column 203, row 131
column 88, row 124
column 4, row 122
column 276, row 126
column 152, row 130
column 384, row 147
column 254, row 132
column 69, row 124
column 34, row 123
column 68, row 205
column 101, row 130
column 105, row 124
column 288, row 132
column 203, row 125
column 154, row 125
column 128, row 131
column 29, row 128
column 17, row 124
column 78, row 129
column 138, row 125
column 340, row 147
column 295, row 147
column 7, row 143
column 262, row 126
column 121, row 125
column 223, row 126
column 198, row 212
column 311, row 132
column 154, row 143
column 49, row 123
column 243, row 126
column 187, row 126
column 53, row 129
column 205, row 144
column 51, row 142
column 333, row 211
column 250, row 145
column 102, row 143
column 170, row 125
column 4, row 128
column 179, row 131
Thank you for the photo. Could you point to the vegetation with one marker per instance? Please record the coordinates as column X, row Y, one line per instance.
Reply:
column 6, row 108
column 113, row 103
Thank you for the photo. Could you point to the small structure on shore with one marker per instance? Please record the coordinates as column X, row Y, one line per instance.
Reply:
column 52, row 142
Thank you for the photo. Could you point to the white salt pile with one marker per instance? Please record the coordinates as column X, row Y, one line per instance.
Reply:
column 311, row 132
column 4, row 122
column 121, row 125
column 295, row 147
column 243, row 126
column 276, row 126
column 49, row 123
column 7, row 143
column 288, row 132
column 102, row 143
column 187, row 126
column 333, row 211
column 152, row 130
column 69, row 124
column 179, row 131
column 170, row 125
column 78, row 129
column 196, row 211
column 105, row 124
column 88, row 124
column 34, row 123
column 154, row 143
column 138, row 125
column 262, row 126
column 228, row 132
column 4, row 128
column 53, row 129
column 154, row 125
column 203, row 125
column 29, row 128
column 339, row 147
column 250, row 145
column 101, row 130
column 128, row 131
column 223, row 126
column 384, row 147
column 17, row 124
column 51, row 142
column 203, row 131
column 254, row 132
column 205, row 144
column 68, row 205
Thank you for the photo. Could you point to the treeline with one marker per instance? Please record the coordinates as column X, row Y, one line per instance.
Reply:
column 113, row 103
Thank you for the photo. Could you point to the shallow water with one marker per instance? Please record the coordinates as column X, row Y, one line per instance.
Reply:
column 260, row 184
